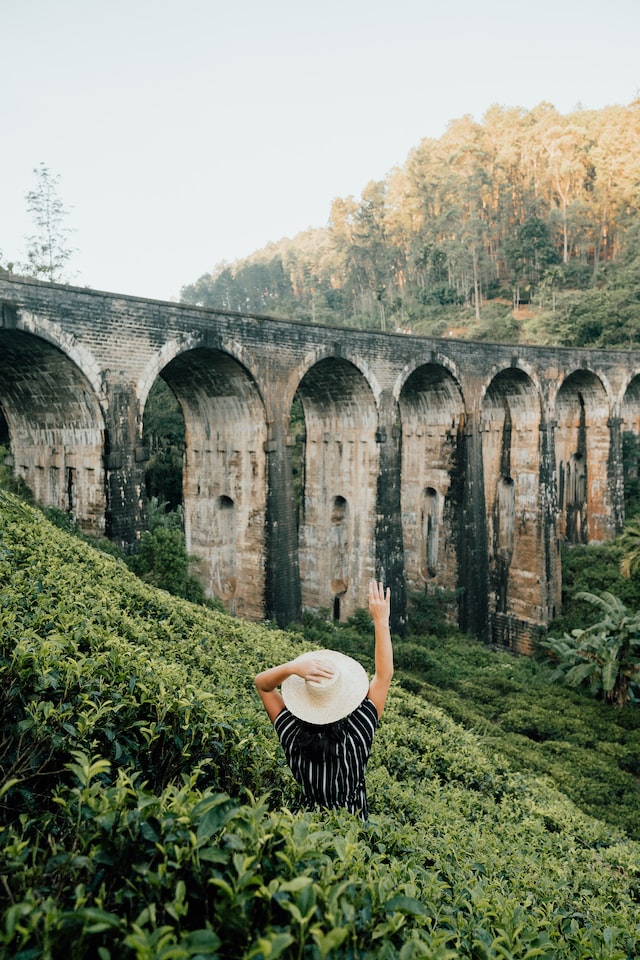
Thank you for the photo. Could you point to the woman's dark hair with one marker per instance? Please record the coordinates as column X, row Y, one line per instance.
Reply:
column 320, row 741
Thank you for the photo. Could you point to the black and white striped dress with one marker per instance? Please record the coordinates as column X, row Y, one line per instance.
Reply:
column 337, row 780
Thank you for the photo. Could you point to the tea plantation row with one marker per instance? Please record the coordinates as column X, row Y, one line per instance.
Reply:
column 146, row 810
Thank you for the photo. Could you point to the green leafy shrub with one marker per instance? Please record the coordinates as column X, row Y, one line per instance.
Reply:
column 629, row 542
column 605, row 657
column 146, row 810
column 431, row 613
column 162, row 560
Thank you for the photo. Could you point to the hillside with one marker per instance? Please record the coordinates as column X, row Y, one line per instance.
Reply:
column 146, row 811
column 527, row 208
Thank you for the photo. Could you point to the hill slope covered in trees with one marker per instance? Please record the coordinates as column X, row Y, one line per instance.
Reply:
column 146, row 810
column 528, row 209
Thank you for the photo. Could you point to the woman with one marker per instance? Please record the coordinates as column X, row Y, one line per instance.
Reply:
column 327, row 712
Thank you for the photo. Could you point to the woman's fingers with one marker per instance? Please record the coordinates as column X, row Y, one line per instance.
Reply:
column 316, row 670
column 378, row 594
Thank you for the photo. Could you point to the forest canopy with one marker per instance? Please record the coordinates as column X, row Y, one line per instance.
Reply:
column 524, row 226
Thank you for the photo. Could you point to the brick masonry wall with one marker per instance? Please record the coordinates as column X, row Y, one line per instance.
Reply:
column 435, row 464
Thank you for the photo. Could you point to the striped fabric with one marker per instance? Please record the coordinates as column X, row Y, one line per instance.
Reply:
column 336, row 780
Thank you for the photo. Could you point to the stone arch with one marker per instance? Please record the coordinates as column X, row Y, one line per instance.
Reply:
column 432, row 418
column 436, row 359
column 630, row 407
column 511, row 422
column 338, row 509
column 224, row 476
column 54, row 334
column 188, row 342
column 582, row 448
column 524, row 370
column 56, row 428
column 329, row 353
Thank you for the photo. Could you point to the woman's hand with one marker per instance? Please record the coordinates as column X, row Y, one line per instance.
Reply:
column 313, row 670
column 379, row 602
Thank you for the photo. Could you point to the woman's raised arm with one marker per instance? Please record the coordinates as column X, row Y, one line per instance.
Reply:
column 380, row 609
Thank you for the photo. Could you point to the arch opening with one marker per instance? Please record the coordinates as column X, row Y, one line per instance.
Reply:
column 223, row 475
column 338, row 455
column 583, row 446
column 432, row 417
column 163, row 437
column 53, row 428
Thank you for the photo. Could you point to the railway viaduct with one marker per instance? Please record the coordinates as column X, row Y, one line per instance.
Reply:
column 436, row 465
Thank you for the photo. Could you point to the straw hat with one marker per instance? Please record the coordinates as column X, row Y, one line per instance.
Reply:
column 326, row 701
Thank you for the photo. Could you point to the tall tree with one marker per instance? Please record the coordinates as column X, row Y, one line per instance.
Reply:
column 47, row 252
column 565, row 145
column 615, row 192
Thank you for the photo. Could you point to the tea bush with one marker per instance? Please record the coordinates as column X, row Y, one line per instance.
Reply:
column 146, row 810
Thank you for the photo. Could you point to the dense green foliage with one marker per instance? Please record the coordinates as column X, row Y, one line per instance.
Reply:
column 630, row 546
column 605, row 655
column 146, row 810
column 526, row 208
column 162, row 558
column 592, row 568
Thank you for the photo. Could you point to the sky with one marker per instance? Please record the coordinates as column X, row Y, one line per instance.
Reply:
column 187, row 134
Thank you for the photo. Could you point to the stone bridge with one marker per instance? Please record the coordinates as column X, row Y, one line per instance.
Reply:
column 443, row 466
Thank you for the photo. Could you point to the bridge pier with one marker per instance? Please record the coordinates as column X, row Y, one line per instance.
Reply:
column 124, row 462
column 282, row 600
column 390, row 559
column 552, row 563
column 473, row 566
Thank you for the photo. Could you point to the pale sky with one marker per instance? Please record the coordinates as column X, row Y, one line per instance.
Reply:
column 187, row 133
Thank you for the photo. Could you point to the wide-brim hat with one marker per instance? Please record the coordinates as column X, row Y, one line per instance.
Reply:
column 325, row 701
